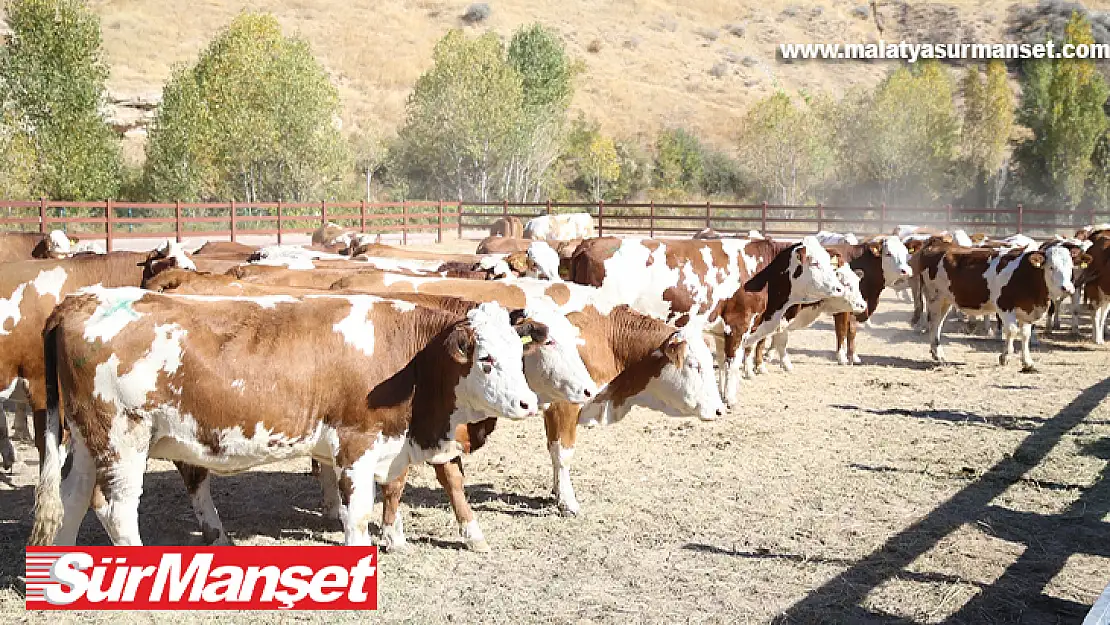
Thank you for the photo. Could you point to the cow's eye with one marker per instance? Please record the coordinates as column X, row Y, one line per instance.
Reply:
column 549, row 342
column 487, row 359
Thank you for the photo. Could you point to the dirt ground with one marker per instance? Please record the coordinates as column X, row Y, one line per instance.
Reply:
column 890, row 492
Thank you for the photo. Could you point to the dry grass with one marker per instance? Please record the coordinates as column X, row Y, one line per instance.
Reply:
column 375, row 51
column 888, row 491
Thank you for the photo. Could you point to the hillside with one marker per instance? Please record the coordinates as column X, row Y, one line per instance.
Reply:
column 649, row 63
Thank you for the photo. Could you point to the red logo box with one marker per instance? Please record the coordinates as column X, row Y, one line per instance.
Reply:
column 202, row 578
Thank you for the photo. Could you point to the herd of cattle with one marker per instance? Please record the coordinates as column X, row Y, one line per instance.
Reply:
column 370, row 358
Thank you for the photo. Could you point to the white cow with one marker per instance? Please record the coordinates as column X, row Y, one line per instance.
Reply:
column 560, row 227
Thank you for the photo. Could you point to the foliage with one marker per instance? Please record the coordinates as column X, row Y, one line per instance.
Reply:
column 1063, row 106
column 254, row 119
column 52, row 88
column 678, row 161
column 784, row 149
column 987, row 129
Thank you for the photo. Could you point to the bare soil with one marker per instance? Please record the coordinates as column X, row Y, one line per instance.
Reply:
column 895, row 491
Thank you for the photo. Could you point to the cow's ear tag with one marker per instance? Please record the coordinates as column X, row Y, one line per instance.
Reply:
column 1082, row 265
column 524, row 340
column 835, row 262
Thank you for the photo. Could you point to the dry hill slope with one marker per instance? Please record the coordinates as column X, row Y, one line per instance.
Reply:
column 697, row 63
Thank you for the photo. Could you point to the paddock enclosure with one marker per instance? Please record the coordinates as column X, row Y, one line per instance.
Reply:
column 892, row 491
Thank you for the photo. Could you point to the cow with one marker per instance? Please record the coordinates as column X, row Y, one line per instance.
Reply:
column 737, row 289
column 1096, row 287
column 29, row 291
column 333, row 236
column 1016, row 285
column 222, row 384
column 17, row 246
column 226, row 248
column 562, row 227
column 508, row 227
column 621, row 349
column 502, row 245
column 835, row 238
column 1076, row 296
column 710, row 234
column 801, row 316
column 883, row 262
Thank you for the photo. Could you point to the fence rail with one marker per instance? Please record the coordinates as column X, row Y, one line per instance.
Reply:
column 110, row 220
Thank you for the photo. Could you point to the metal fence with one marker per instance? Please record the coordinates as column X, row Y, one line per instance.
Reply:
column 110, row 220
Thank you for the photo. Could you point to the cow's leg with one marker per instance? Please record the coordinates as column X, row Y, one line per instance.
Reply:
column 917, row 292
column 1101, row 312
column 20, row 429
column 938, row 310
column 329, row 488
column 450, row 476
column 561, row 422
column 749, row 363
column 1026, row 330
column 779, row 342
column 77, row 489
column 356, row 461
column 1010, row 332
column 840, row 325
column 1076, row 301
column 7, row 451
column 393, row 526
column 733, row 369
column 853, row 328
column 758, row 365
column 198, row 485
column 119, row 486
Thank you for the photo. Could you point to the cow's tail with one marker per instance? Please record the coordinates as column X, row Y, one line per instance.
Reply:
column 48, row 496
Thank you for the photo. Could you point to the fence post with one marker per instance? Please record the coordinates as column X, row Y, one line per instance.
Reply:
column 547, row 210
column 458, row 218
column 763, row 220
column 323, row 213
column 820, row 217
column 1093, row 217
column 177, row 218
column 601, row 218
column 362, row 216
column 708, row 215
column 42, row 215
column 233, row 224
column 948, row 216
column 109, row 221
column 1020, row 218
column 439, row 221
column 651, row 220
column 279, row 221
column 882, row 219
column 404, row 222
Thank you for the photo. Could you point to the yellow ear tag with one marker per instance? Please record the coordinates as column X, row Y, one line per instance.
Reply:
column 524, row 340
column 835, row 261
column 1082, row 265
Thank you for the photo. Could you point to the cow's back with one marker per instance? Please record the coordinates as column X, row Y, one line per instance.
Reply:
column 17, row 246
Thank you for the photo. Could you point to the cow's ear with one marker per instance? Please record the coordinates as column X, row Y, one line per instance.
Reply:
column 859, row 273
column 674, row 348
column 1036, row 259
column 913, row 246
column 532, row 334
column 1084, row 260
column 834, row 258
column 801, row 254
column 875, row 247
column 460, row 344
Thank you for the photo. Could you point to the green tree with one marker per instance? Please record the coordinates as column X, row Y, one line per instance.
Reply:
column 601, row 164
column 461, row 119
column 987, row 129
column 52, row 81
column 1063, row 106
column 256, row 118
column 785, row 149
column 909, row 135
column 678, row 161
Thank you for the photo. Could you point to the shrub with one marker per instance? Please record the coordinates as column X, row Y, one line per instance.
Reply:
column 709, row 34
column 861, row 12
column 477, row 12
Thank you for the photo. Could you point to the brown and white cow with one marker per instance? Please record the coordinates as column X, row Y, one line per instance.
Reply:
column 223, row 384
column 1017, row 285
column 1096, row 287
column 737, row 289
column 507, row 227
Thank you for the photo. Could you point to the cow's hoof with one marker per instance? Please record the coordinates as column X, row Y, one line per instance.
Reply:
column 1028, row 368
column 788, row 366
column 479, row 545
column 1003, row 359
column 393, row 544
column 567, row 509
column 761, row 369
column 223, row 540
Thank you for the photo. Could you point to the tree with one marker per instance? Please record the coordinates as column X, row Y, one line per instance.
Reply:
column 1063, row 106
column 784, row 149
column 256, row 118
column 601, row 164
column 461, row 119
column 52, row 81
column 987, row 129
column 678, row 161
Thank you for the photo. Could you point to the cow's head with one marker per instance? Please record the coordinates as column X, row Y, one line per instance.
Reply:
column 852, row 300
column 553, row 366
column 895, row 257
column 487, row 343
column 812, row 275
column 58, row 245
column 168, row 255
column 1059, row 263
column 543, row 261
column 680, row 383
